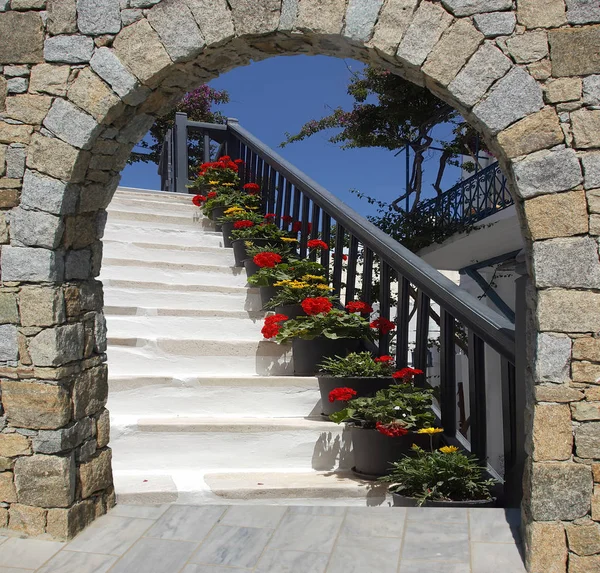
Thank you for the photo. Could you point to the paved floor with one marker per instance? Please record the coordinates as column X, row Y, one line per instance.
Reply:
column 278, row 539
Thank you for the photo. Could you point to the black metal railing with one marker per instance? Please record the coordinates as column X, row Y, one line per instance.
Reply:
column 379, row 267
column 468, row 202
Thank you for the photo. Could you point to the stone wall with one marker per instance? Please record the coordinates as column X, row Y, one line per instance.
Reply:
column 82, row 80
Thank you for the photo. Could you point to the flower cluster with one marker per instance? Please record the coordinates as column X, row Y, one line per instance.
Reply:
column 406, row 374
column 317, row 244
column 316, row 305
column 221, row 164
column 386, row 358
column 267, row 259
column 383, row 325
column 272, row 325
column 297, row 227
column 393, row 430
column 198, row 200
column 252, row 188
column 244, row 224
column 341, row 394
column 359, row 306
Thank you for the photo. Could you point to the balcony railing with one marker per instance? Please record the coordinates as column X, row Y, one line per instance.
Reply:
column 376, row 263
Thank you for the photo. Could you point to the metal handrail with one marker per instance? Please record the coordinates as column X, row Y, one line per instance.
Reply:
column 491, row 326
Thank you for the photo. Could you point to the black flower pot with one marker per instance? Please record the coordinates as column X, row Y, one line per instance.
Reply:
column 217, row 213
column 226, row 228
column 290, row 310
column 251, row 267
column 239, row 249
column 309, row 353
column 364, row 387
column 404, row 501
column 374, row 451
column 267, row 293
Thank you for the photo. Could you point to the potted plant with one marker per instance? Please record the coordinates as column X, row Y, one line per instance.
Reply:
column 232, row 215
column 324, row 332
column 288, row 294
column 358, row 371
column 219, row 174
column 385, row 426
column 257, row 261
column 443, row 477
column 247, row 233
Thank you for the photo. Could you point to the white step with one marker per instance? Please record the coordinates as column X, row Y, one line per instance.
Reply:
column 145, row 301
column 171, row 254
column 152, row 194
column 185, row 359
column 150, row 205
column 154, row 234
column 214, row 397
column 162, row 220
column 149, row 285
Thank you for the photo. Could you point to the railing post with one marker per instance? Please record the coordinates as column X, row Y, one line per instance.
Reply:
column 180, row 158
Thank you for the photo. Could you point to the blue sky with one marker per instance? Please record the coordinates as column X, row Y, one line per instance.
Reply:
column 279, row 95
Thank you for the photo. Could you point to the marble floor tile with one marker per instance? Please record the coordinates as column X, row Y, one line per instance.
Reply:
column 2, row 539
column 357, row 554
column 435, row 567
column 14, row 570
column 374, row 522
column 254, row 515
column 155, row 556
column 495, row 557
column 330, row 510
column 233, row 546
column 110, row 535
column 27, row 553
column 186, row 522
column 306, row 533
column 495, row 525
column 194, row 568
column 437, row 514
column 72, row 562
column 140, row 511
column 276, row 561
column 436, row 542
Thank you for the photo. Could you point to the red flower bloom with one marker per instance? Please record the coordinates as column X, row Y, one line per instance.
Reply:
column 252, row 188
column 341, row 394
column 267, row 259
column 198, row 200
column 385, row 358
column 344, row 257
column 391, row 430
column 270, row 216
column 317, row 244
column 407, row 374
column 225, row 158
column 244, row 224
column 359, row 306
column 238, row 161
column 297, row 227
column 211, row 195
column 287, row 219
column 316, row 305
column 273, row 325
column 383, row 325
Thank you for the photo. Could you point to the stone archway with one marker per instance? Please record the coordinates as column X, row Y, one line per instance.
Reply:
column 83, row 80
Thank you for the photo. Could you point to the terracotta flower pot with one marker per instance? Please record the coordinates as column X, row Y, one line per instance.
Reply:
column 364, row 387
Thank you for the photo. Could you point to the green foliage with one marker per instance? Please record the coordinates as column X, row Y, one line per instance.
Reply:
column 333, row 324
column 356, row 365
column 269, row 231
column 287, row 295
column 229, row 199
column 241, row 215
column 198, row 105
column 438, row 476
column 400, row 404
column 282, row 249
column 293, row 270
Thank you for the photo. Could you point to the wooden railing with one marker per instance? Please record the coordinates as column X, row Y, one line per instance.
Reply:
column 378, row 267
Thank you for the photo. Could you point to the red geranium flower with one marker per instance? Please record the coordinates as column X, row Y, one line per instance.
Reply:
column 342, row 394
column 287, row 219
column 198, row 200
column 244, row 224
column 391, row 430
column 267, row 259
column 252, row 188
column 316, row 305
column 273, row 325
column 317, row 244
column 407, row 374
column 297, row 227
column 383, row 325
column 238, row 161
column 225, row 158
column 211, row 195
column 359, row 306
column 344, row 257
column 385, row 358
column 269, row 216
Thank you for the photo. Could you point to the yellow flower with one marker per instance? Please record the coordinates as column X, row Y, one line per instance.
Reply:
column 315, row 278
column 298, row 284
column 323, row 287
column 233, row 210
column 228, row 184
column 430, row 431
column 289, row 240
column 213, row 182
column 449, row 449
column 282, row 283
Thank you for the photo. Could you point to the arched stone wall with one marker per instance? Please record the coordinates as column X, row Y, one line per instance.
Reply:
column 82, row 80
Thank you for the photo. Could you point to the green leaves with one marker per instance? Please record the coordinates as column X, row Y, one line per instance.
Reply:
column 356, row 364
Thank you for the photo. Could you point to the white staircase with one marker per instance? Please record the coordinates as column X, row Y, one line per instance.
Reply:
column 203, row 409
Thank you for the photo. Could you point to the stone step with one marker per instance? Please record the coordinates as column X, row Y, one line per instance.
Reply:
column 152, row 194
column 151, row 205
column 143, row 233
column 216, row 277
column 162, row 219
column 196, row 267
column 178, row 288
column 174, row 302
column 137, row 252
column 184, row 329
column 188, row 359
